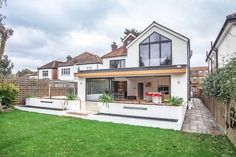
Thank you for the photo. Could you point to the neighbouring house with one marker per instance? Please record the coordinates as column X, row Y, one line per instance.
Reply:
column 49, row 70
column 155, row 61
column 224, row 46
column 84, row 61
column 33, row 75
column 196, row 76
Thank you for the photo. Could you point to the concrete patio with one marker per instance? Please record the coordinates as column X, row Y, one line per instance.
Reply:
column 199, row 120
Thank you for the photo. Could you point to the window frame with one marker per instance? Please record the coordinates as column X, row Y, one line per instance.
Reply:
column 43, row 73
column 119, row 60
column 160, row 53
column 65, row 72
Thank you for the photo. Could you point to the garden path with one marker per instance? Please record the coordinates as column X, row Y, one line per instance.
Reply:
column 200, row 120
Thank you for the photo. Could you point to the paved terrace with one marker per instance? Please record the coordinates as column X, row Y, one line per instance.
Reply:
column 199, row 120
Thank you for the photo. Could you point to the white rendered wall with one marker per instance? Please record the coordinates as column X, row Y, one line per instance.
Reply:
column 179, row 48
column 74, row 69
column 81, row 88
column 227, row 46
column 70, row 77
column 179, row 84
column 40, row 74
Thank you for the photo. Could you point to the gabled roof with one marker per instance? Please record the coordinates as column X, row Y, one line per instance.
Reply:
column 229, row 19
column 121, row 51
column 155, row 24
column 84, row 58
column 127, row 36
column 51, row 65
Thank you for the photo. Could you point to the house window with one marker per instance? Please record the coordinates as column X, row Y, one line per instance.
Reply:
column 155, row 50
column 45, row 73
column 114, row 64
column 78, row 69
column 65, row 71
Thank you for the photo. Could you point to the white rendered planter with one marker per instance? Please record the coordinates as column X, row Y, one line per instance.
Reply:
column 54, row 103
column 156, row 100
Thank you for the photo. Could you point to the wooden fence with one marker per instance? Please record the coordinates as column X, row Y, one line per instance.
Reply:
column 41, row 88
column 224, row 115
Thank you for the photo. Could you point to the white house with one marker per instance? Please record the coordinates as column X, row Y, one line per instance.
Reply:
column 84, row 61
column 155, row 61
column 224, row 46
column 49, row 70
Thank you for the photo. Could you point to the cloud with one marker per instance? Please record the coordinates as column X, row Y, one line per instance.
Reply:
column 48, row 30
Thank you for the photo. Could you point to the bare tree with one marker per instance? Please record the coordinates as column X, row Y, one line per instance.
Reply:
column 4, row 31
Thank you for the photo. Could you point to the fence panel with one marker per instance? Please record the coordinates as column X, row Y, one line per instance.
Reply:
column 221, row 115
column 40, row 88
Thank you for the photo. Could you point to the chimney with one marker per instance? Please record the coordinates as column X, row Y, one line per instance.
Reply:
column 113, row 46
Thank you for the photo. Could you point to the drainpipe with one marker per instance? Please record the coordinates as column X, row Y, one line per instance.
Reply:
column 189, row 55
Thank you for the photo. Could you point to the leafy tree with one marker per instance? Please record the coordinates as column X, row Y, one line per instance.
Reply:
column 6, row 66
column 132, row 31
column 68, row 58
column 4, row 31
column 222, row 83
column 23, row 72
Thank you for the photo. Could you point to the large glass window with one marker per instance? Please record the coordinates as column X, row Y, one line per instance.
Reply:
column 155, row 50
column 117, row 63
column 97, row 86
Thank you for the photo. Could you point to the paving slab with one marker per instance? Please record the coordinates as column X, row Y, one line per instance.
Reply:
column 199, row 120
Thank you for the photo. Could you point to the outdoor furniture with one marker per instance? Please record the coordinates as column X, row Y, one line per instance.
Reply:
column 156, row 97
column 148, row 96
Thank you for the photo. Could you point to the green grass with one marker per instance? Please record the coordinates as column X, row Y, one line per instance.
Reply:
column 30, row 134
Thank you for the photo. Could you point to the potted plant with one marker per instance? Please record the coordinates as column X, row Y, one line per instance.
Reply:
column 105, row 99
column 71, row 101
column 175, row 101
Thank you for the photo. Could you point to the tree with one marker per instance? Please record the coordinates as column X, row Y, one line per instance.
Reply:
column 132, row 31
column 23, row 72
column 4, row 31
column 6, row 66
column 68, row 58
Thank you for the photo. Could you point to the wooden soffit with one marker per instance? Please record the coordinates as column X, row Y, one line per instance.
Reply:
column 130, row 73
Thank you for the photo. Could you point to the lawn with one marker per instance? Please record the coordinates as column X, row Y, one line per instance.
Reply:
column 32, row 134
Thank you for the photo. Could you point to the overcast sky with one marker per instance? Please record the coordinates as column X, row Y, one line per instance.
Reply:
column 46, row 30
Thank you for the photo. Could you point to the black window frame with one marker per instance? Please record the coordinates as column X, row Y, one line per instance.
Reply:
column 160, row 42
column 115, row 60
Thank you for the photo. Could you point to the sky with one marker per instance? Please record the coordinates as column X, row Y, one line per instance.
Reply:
column 46, row 30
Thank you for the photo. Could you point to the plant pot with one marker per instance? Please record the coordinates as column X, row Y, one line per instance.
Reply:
column 156, row 100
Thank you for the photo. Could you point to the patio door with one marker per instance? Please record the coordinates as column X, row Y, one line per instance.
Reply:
column 140, row 90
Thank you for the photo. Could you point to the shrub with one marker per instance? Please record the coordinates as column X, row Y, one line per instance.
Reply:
column 106, row 99
column 71, row 96
column 222, row 83
column 8, row 93
column 175, row 101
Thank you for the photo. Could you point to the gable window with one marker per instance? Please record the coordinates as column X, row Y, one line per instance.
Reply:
column 155, row 50
column 114, row 64
column 45, row 73
column 65, row 71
